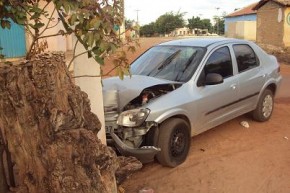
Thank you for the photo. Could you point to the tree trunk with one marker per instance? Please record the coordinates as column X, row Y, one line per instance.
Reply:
column 50, row 130
column 3, row 181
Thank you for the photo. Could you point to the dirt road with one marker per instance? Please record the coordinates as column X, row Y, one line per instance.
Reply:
column 228, row 158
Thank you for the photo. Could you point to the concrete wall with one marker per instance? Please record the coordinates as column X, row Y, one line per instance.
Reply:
column 92, row 86
column 286, row 38
column 242, row 30
column 229, row 20
column 269, row 28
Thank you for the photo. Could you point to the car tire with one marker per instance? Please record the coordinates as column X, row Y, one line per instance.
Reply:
column 174, row 142
column 264, row 107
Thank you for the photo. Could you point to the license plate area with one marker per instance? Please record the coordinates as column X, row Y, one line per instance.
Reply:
column 110, row 126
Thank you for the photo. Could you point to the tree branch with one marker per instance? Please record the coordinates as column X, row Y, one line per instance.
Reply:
column 52, row 35
column 68, row 29
column 95, row 76
column 49, row 20
column 75, row 56
column 74, row 53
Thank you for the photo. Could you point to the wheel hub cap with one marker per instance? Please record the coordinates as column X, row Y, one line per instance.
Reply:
column 267, row 106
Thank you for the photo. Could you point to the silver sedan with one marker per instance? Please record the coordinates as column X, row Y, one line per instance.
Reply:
column 184, row 87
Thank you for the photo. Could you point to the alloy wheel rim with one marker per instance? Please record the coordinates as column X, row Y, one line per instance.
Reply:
column 267, row 106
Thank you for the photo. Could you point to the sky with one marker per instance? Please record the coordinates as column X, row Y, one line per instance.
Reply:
column 150, row 10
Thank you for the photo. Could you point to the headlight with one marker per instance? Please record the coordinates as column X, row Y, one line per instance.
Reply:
column 133, row 118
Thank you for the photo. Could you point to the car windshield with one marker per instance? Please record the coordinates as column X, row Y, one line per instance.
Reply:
column 175, row 63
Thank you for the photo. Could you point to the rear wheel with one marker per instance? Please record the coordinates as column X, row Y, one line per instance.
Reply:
column 174, row 141
column 265, row 107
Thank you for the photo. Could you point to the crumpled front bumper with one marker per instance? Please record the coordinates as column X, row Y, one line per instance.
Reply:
column 144, row 154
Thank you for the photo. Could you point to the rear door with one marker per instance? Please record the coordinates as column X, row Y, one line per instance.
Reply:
column 250, row 76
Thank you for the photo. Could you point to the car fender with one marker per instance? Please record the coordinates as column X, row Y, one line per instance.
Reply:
column 172, row 113
column 275, row 81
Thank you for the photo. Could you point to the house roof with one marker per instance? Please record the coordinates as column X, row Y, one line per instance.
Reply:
column 285, row 3
column 244, row 11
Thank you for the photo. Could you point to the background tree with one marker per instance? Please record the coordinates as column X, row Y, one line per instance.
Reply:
column 169, row 21
column 148, row 30
column 196, row 22
column 45, row 120
column 129, row 23
column 219, row 23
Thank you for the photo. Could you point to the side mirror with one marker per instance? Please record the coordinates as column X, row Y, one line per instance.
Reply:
column 213, row 79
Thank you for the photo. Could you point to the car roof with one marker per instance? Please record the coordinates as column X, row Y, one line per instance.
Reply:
column 202, row 42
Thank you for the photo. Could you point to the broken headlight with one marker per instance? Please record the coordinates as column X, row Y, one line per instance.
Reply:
column 133, row 118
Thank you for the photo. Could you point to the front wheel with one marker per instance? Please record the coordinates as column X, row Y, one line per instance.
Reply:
column 174, row 141
column 264, row 107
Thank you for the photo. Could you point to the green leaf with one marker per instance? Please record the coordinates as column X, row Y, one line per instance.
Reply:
column 81, row 18
column 36, row 9
column 132, row 49
column 35, row 16
column 95, row 23
column 104, row 46
column 5, row 24
column 38, row 25
column 100, row 60
column 72, row 19
column 66, row 6
column 90, row 39
column 121, row 73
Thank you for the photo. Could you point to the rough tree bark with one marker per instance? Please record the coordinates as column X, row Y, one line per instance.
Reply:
column 50, row 130
column 3, row 181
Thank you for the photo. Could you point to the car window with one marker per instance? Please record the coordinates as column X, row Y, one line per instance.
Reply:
column 175, row 63
column 246, row 57
column 220, row 62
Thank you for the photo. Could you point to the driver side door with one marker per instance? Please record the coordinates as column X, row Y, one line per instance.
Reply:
column 216, row 103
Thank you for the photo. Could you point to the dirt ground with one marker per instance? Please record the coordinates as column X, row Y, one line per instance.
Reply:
column 228, row 158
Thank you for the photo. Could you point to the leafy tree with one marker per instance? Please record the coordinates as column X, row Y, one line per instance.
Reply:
column 148, row 30
column 196, row 22
column 45, row 121
column 219, row 24
column 169, row 21
column 92, row 22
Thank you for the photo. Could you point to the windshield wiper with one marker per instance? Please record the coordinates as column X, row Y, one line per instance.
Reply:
column 164, row 63
column 168, row 60
column 187, row 64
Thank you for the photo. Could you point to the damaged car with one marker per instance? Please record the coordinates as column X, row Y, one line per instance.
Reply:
column 181, row 88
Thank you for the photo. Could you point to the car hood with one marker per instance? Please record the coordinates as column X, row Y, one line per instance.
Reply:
column 128, row 88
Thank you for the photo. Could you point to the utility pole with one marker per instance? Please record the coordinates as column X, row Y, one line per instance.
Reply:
column 217, row 22
column 137, row 11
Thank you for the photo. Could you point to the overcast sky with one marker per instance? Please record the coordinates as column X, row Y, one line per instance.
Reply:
column 150, row 10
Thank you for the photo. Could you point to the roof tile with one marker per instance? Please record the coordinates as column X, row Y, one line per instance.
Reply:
column 244, row 11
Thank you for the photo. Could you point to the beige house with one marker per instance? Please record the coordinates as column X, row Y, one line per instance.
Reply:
column 273, row 23
column 185, row 31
